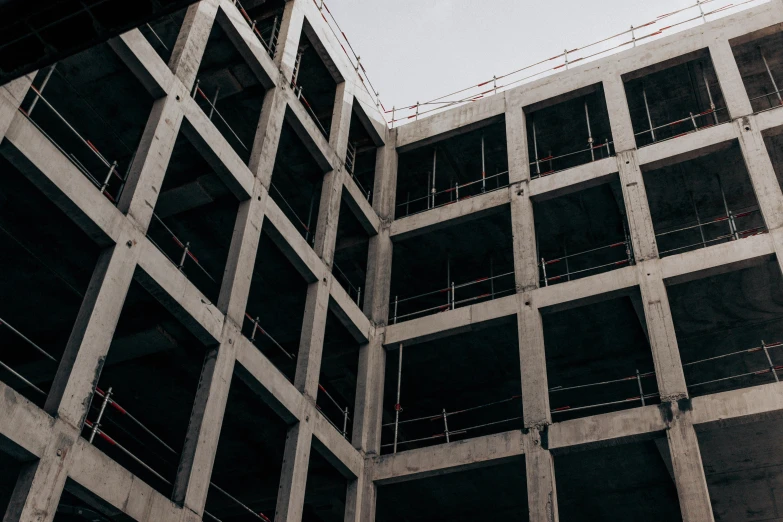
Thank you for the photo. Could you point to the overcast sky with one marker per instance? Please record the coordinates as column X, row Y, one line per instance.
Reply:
column 415, row 50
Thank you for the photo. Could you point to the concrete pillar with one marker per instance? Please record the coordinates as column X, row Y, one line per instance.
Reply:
column 81, row 363
column 637, row 208
column 151, row 160
column 540, row 475
column 206, row 419
column 532, row 358
column 360, row 497
column 660, row 329
column 192, row 41
column 341, row 119
column 296, row 459
column 761, row 171
column 730, row 79
column 11, row 96
column 288, row 38
column 619, row 114
column 688, row 469
column 516, row 140
column 267, row 137
column 311, row 342
column 329, row 216
column 368, row 409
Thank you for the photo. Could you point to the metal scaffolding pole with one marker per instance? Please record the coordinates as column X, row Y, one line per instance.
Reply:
column 483, row 167
column 769, row 360
column 647, row 108
column 589, row 132
column 771, row 78
column 434, row 171
column 397, row 407
column 709, row 95
column 729, row 215
column 535, row 148
column 43, row 86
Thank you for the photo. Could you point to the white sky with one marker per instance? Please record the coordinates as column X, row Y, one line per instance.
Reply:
column 415, row 50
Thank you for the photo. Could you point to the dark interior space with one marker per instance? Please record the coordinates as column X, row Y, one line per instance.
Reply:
column 721, row 322
column 674, row 98
column 623, row 482
column 743, row 465
column 264, row 17
column 162, row 33
column 194, row 218
column 338, row 377
column 457, row 266
column 325, row 491
column 297, row 180
column 593, row 354
column 315, row 80
column 275, row 306
column 760, row 62
column 150, row 377
column 47, row 262
column 479, row 389
column 773, row 140
column 11, row 467
column 457, row 166
column 582, row 234
column 350, row 253
column 497, row 493
column 229, row 92
column 249, row 456
column 94, row 109
column 361, row 153
column 703, row 201
column 568, row 131
column 79, row 505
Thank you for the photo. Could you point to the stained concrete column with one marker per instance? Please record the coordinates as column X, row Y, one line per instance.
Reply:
column 80, row 366
column 361, row 496
column 296, row 459
column 730, row 79
column 762, row 173
column 540, row 475
column 532, row 355
column 288, row 37
column 151, row 159
column 619, row 114
column 267, row 137
column 637, row 208
column 192, row 41
column 11, row 96
column 688, row 468
column 311, row 342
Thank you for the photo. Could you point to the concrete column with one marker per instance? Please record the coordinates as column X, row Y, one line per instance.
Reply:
column 688, row 469
column 151, row 159
column 192, row 41
column 288, row 37
column 311, row 343
column 516, row 141
column 730, row 79
column 296, row 459
column 11, row 96
column 385, row 186
column 329, row 216
column 88, row 344
column 206, row 419
column 660, row 329
column 267, row 138
column 540, row 474
column 619, row 114
column 762, row 174
column 532, row 358
column 341, row 119
column 368, row 409
column 637, row 208
column 360, row 497
column 40, row 484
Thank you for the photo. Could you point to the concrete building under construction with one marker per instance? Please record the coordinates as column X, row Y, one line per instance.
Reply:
column 233, row 290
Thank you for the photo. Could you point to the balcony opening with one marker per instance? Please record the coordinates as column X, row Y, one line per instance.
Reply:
column 773, row 139
column 478, row 393
column 462, row 265
column 13, row 459
column 325, row 491
column 599, row 358
column 264, row 19
column 47, row 262
column 703, row 201
column 162, row 33
column 674, row 98
column 363, row 146
column 568, row 131
column 452, row 169
column 141, row 405
column 759, row 57
column 350, row 253
column 729, row 328
column 582, row 234
column 77, row 504
column 194, row 217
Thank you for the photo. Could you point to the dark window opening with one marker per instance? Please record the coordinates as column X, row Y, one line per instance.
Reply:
column 350, row 253
column 264, row 19
column 162, row 33
column 361, row 153
column 338, row 377
column 325, row 491
column 760, row 62
column 312, row 80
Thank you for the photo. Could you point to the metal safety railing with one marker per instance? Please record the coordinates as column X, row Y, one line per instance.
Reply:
column 213, row 110
column 29, row 342
column 354, row 291
column 301, row 97
column 187, row 251
column 642, row 398
column 350, row 165
column 102, row 182
column 547, row 278
column 769, row 366
column 267, row 36
column 435, row 198
column 776, row 91
column 730, row 220
column 451, row 296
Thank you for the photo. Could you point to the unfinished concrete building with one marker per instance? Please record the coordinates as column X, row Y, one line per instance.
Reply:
column 231, row 292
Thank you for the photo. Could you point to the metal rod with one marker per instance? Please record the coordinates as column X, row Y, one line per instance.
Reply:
column 565, row 251
column 21, row 378
column 771, row 78
column 396, row 300
column 31, row 343
column 453, row 296
column 214, row 102
column 98, row 420
column 446, row 425
column 693, row 120
column 108, row 177
column 633, row 36
column 647, row 108
column 397, row 407
column 535, row 149
column 310, row 216
column 195, row 88
column 543, row 268
column 639, row 382
column 709, row 94
column 434, row 171
column 703, row 18
column 589, row 132
column 272, row 36
column 449, row 283
column 359, row 296
column 769, row 360
column 43, row 86
column 345, row 423
column 483, row 167
column 184, row 255
column 491, row 277
column 732, row 227
column 696, row 211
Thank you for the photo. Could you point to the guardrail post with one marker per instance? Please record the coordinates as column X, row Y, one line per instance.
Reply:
column 98, row 420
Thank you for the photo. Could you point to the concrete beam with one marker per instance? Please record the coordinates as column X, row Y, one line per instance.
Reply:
column 360, row 206
column 349, row 313
column 745, row 404
column 23, row 423
column 11, row 97
column 730, row 79
column 573, row 180
column 579, row 292
column 463, row 455
column 311, row 342
column 296, row 458
column 684, row 148
column 145, row 64
column 246, row 42
column 637, row 207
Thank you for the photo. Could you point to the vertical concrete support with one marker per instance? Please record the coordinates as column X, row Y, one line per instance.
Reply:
column 730, row 79
column 40, row 484
column 151, row 159
column 516, row 141
column 761, row 171
column 368, row 409
column 660, row 328
column 688, row 469
column 198, row 453
column 192, row 41
column 311, row 343
column 619, row 114
column 637, row 208
column 288, row 38
column 540, row 474
column 341, row 119
column 85, row 353
column 329, row 216
column 532, row 358
column 267, row 138
column 11, row 96
column 296, row 458
column 360, row 497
